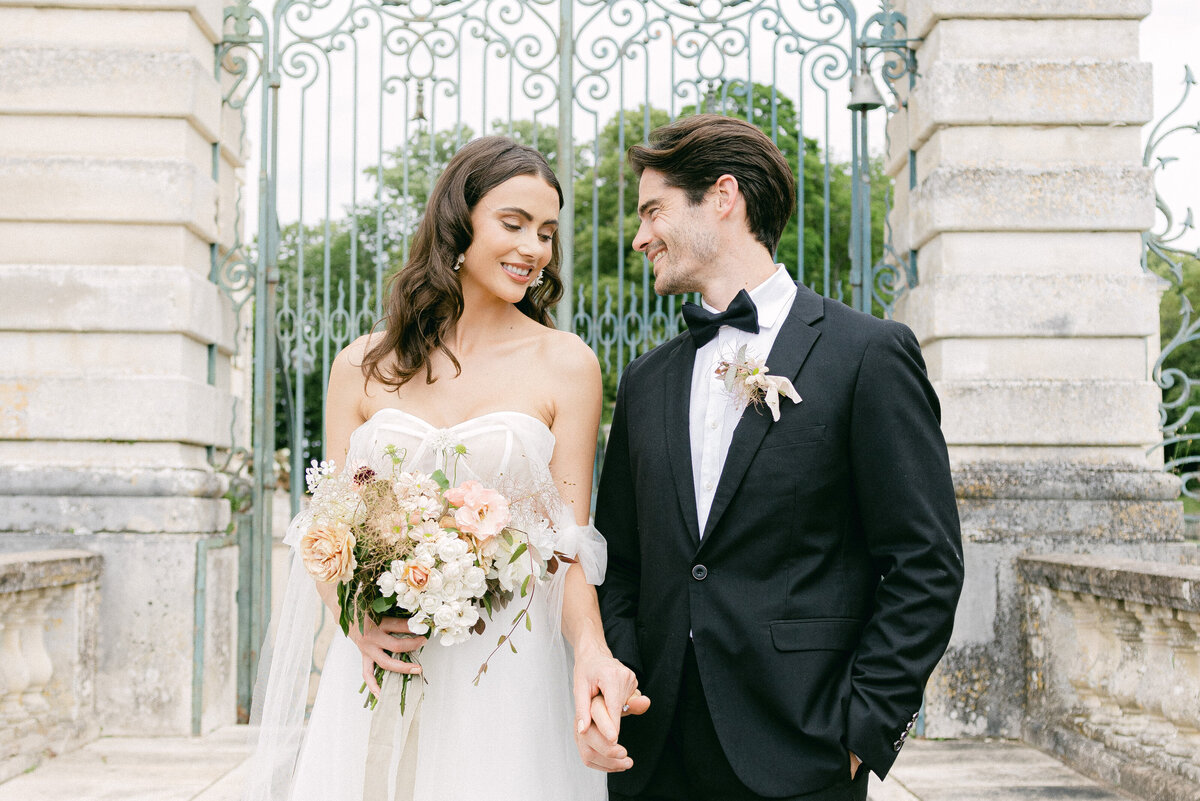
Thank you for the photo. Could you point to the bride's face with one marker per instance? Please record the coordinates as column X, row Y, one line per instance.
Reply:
column 513, row 227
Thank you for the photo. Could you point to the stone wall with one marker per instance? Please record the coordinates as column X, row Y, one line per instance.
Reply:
column 48, row 628
column 117, row 189
column 1039, row 327
column 1112, row 669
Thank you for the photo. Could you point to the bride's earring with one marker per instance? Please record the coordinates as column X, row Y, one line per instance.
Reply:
column 540, row 277
column 458, row 263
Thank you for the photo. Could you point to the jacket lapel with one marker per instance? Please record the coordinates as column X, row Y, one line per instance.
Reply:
column 678, row 430
column 796, row 338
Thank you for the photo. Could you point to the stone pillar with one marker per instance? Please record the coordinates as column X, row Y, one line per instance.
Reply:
column 1038, row 325
column 117, row 191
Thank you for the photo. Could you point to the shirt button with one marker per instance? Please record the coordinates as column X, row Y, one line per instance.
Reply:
column 699, row 572
column 708, row 485
column 713, row 425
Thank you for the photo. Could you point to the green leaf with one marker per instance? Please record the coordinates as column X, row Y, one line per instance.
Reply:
column 522, row 548
column 502, row 639
column 525, row 586
column 381, row 604
column 730, row 378
column 513, row 647
column 528, row 623
column 440, row 478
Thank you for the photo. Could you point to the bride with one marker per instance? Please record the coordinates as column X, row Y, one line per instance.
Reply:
column 468, row 361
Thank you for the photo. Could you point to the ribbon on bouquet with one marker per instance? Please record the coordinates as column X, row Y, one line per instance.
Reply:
column 391, row 763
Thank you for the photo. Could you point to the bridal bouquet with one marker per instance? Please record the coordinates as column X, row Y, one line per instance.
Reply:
column 411, row 545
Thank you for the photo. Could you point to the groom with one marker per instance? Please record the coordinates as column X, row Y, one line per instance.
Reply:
column 783, row 588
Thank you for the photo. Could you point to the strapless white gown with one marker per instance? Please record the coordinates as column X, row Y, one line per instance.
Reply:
column 509, row 738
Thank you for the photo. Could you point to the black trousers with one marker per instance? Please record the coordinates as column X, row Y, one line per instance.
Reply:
column 693, row 766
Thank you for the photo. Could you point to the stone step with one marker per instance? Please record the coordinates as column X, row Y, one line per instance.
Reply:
column 212, row 768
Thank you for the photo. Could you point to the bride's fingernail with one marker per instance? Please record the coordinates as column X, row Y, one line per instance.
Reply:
column 580, row 727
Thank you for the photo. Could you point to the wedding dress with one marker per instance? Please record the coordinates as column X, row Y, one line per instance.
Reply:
column 508, row 738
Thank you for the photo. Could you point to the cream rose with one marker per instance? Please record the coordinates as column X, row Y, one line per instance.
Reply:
column 328, row 552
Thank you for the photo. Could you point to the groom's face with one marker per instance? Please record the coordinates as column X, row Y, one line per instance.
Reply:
column 676, row 236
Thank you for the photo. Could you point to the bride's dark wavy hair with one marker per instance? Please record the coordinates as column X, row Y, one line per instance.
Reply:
column 425, row 299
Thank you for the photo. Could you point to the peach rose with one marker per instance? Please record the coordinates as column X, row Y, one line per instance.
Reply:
column 417, row 576
column 328, row 552
column 481, row 511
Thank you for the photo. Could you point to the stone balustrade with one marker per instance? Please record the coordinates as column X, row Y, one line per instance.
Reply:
column 1113, row 669
column 48, row 623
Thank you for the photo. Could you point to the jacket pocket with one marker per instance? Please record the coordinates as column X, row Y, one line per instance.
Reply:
column 796, row 436
column 816, row 634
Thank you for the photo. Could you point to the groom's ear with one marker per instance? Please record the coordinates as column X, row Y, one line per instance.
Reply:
column 727, row 196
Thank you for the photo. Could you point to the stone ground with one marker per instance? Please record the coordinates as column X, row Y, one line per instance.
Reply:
column 211, row 768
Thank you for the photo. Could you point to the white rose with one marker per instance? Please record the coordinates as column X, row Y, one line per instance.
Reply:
column 417, row 624
column 430, row 603
column 475, row 580
column 436, row 582
column 444, row 616
column 453, row 571
column 450, row 548
column 387, row 584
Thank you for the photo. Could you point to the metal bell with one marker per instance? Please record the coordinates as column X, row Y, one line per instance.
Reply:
column 864, row 94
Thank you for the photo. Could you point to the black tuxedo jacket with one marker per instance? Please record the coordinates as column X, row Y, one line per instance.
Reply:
column 822, row 592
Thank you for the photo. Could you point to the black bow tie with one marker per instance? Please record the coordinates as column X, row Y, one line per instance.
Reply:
column 704, row 324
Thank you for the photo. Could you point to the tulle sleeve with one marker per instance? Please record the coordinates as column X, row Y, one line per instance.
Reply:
column 586, row 546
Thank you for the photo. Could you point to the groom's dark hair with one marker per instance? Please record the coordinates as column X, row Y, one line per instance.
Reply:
column 693, row 152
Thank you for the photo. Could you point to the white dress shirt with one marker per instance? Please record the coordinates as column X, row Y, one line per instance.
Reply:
column 713, row 413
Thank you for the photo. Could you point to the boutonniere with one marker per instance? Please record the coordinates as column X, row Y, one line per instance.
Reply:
column 745, row 377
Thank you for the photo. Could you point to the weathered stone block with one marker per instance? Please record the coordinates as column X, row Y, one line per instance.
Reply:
column 1131, row 456
column 1030, row 93
column 140, row 138
column 1050, row 413
column 111, row 82
column 74, row 243
column 87, row 515
column 115, row 299
column 1014, row 199
column 60, row 353
column 94, row 455
column 127, row 408
column 1031, row 40
column 924, row 14
column 1052, row 253
column 1034, row 306
column 150, row 31
column 983, row 146
column 206, row 14
column 88, row 189
column 1017, row 358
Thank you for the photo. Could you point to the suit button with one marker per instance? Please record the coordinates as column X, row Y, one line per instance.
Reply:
column 896, row 746
column 699, row 572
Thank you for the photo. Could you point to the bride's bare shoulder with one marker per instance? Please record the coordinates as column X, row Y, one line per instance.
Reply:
column 569, row 356
column 349, row 361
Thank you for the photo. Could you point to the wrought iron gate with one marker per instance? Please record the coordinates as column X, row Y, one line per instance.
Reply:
column 357, row 105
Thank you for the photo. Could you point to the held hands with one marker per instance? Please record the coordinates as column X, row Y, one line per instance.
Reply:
column 377, row 641
column 605, row 691
column 855, row 764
